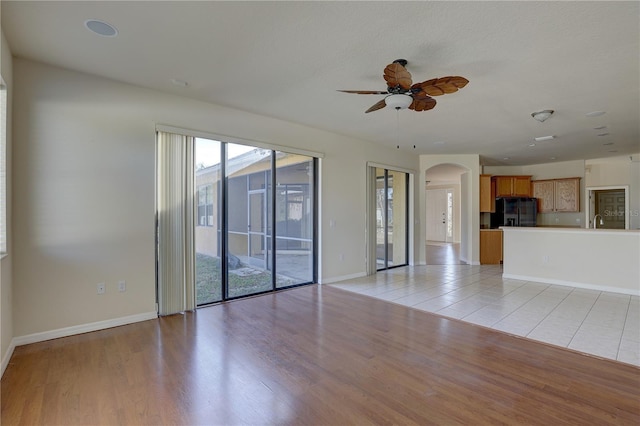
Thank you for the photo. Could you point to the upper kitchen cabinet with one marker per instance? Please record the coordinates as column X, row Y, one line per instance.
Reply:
column 487, row 194
column 512, row 186
column 557, row 195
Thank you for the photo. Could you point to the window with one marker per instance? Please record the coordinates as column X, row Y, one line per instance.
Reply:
column 205, row 205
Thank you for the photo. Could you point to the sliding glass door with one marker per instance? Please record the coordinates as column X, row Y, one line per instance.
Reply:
column 248, row 174
column 294, row 219
column 244, row 193
column 391, row 218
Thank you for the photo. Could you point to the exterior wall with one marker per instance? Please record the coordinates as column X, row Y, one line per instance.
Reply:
column 84, row 184
column 207, row 236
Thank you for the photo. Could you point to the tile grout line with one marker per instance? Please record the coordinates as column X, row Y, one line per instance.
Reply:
column 495, row 285
column 584, row 319
column 626, row 318
column 547, row 316
column 520, row 306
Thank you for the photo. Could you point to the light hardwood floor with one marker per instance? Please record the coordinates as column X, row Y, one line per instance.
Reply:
column 315, row 355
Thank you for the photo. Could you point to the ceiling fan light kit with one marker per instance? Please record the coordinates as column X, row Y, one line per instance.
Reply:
column 542, row 115
column 402, row 93
column 398, row 101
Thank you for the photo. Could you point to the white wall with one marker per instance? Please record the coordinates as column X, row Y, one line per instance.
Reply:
column 6, row 276
column 84, row 191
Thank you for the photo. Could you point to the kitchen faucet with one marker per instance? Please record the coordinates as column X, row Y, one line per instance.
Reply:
column 595, row 223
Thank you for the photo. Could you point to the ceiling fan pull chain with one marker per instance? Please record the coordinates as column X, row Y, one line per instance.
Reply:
column 398, row 128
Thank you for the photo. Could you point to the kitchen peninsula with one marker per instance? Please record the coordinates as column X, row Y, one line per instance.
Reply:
column 598, row 259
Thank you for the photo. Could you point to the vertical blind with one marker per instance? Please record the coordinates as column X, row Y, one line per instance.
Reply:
column 176, row 223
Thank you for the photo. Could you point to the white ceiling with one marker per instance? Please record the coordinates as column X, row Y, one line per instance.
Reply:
column 287, row 59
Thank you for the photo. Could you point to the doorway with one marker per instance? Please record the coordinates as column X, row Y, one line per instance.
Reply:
column 391, row 195
column 444, row 214
column 608, row 207
column 440, row 220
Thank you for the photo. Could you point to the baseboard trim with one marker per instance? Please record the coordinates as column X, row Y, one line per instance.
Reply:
column 83, row 328
column 7, row 356
column 572, row 284
column 343, row 278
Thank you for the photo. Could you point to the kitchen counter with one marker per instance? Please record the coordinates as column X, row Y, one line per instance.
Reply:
column 598, row 259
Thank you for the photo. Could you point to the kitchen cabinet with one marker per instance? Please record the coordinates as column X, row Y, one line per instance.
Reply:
column 557, row 195
column 512, row 186
column 490, row 246
column 487, row 194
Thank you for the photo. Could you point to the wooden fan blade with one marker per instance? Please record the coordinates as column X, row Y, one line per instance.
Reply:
column 441, row 86
column 423, row 103
column 365, row 92
column 396, row 75
column 378, row 105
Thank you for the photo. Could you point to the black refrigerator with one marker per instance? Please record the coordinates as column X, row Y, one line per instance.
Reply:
column 514, row 211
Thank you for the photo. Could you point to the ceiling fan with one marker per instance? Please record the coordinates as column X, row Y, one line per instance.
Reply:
column 401, row 93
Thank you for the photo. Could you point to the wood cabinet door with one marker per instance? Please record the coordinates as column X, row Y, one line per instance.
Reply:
column 521, row 186
column 567, row 195
column 487, row 197
column 504, row 186
column 543, row 190
column 490, row 247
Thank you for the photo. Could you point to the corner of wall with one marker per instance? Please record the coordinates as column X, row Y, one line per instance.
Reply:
column 6, row 277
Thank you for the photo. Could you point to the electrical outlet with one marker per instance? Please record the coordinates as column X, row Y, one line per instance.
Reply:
column 102, row 288
column 122, row 286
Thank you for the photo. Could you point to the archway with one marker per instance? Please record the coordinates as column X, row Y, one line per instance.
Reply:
column 444, row 210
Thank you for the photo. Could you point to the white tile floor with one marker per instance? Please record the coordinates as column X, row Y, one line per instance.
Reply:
column 595, row 322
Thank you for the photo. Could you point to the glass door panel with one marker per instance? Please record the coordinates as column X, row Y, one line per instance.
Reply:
column 248, row 173
column 294, row 219
column 381, row 219
column 391, row 218
column 207, row 231
column 396, row 218
column 257, row 229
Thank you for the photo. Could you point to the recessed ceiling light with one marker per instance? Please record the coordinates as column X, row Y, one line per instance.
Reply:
column 544, row 138
column 439, row 142
column 608, row 143
column 532, row 144
column 506, row 158
column 600, row 128
column 552, row 158
column 101, row 28
column 613, row 150
column 180, row 83
column 595, row 113
column 603, row 134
